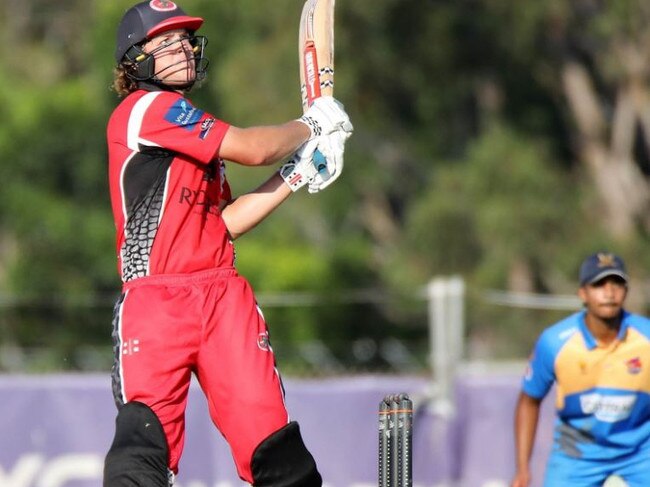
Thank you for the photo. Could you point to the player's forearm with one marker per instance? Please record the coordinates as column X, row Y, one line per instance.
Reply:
column 526, row 418
column 248, row 210
column 264, row 145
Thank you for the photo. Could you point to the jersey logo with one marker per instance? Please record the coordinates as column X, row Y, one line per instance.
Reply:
column 131, row 346
column 162, row 5
column 567, row 333
column 608, row 409
column 206, row 126
column 204, row 199
column 263, row 342
column 183, row 114
column 634, row 365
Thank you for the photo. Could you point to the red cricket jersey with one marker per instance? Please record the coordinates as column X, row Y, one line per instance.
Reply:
column 167, row 184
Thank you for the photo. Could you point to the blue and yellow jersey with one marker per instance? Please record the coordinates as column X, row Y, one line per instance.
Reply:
column 603, row 393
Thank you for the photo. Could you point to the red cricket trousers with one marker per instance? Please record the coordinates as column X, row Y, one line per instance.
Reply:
column 167, row 327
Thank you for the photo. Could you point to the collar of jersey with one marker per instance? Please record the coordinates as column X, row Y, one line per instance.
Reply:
column 149, row 86
column 590, row 341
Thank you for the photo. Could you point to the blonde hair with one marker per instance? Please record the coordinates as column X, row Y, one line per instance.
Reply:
column 123, row 85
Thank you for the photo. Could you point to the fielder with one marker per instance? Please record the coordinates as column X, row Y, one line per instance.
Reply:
column 599, row 359
column 184, row 309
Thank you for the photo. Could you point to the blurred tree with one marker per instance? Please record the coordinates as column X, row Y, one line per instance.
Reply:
column 496, row 139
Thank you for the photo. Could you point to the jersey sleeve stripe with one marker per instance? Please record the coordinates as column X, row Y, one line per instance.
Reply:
column 135, row 121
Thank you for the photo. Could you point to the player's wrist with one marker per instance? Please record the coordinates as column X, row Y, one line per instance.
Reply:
column 326, row 115
column 302, row 168
column 314, row 127
column 292, row 177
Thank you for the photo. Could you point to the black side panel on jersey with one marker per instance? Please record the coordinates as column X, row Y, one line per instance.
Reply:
column 282, row 460
column 144, row 182
column 138, row 455
column 116, row 378
column 145, row 171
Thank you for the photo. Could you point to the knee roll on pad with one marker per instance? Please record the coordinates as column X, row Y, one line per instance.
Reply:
column 282, row 460
column 138, row 455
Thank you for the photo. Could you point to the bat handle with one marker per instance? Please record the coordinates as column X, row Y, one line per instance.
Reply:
column 320, row 162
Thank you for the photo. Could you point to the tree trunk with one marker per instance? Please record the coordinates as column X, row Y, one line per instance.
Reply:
column 606, row 149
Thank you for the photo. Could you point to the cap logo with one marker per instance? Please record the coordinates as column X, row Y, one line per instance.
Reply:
column 606, row 260
column 162, row 5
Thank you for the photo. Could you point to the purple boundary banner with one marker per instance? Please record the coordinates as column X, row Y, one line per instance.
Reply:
column 55, row 430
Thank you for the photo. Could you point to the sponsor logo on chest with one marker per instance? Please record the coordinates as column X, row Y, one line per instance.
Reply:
column 608, row 409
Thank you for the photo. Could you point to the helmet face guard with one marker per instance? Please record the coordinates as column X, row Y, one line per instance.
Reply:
column 141, row 66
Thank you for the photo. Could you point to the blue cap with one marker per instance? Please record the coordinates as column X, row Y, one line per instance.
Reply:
column 600, row 265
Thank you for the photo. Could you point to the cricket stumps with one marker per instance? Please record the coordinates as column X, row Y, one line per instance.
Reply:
column 395, row 441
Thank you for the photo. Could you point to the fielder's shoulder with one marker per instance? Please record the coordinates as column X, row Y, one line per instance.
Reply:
column 557, row 334
column 638, row 322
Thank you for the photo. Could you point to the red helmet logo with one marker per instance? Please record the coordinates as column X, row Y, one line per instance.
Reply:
column 162, row 5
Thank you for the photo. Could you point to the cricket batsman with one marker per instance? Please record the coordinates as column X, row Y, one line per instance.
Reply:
column 184, row 309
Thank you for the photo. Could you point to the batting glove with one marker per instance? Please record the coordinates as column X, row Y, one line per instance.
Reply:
column 302, row 168
column 326, row 115
column 329, row 151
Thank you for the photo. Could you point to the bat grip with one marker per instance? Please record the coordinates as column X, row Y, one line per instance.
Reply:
column 320, row 162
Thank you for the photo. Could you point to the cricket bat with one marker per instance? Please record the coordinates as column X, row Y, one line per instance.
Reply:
column 316, row 50
column 316, row 58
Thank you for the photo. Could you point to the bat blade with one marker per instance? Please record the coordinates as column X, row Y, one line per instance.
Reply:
column 316, row 50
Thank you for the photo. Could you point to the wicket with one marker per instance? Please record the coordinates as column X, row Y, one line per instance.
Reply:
column 395, row 438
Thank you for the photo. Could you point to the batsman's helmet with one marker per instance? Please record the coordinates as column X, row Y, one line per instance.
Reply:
column 146, row 20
